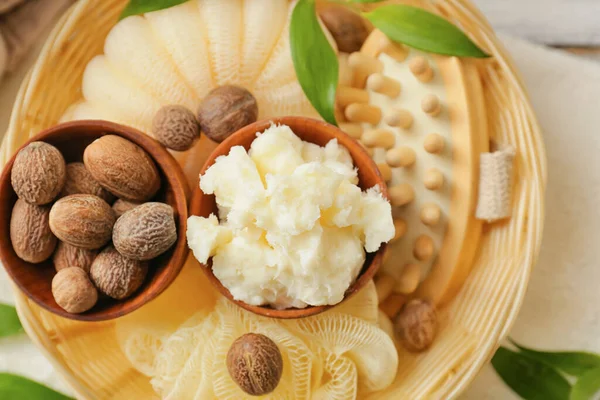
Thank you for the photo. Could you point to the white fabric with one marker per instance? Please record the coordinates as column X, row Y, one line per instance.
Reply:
column 495, row 185
column 561, row 308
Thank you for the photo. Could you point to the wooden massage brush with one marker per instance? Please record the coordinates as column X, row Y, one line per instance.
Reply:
column 422, row 119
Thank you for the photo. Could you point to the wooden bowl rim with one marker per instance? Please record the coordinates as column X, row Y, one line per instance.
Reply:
column 172, row 172
column 369, row 166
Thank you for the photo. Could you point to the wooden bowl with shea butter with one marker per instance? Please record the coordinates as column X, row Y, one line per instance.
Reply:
column 319, row 133
column 35, row 280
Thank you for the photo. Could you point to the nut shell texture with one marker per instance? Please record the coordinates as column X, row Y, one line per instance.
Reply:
column 82, row 220
column 121, row 206
column 116, row 276
column 416, row 325
column 38, row 173
column 347, row 28
column 67, row 256
column 225, row 110
column 146, row 231
column 123, row 168
column 30, row 233
column 255, row 364
column 176, row 127
column 80, row 181
column 73, row 290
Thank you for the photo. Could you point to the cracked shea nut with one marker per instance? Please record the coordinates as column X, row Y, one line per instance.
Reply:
column 121, row 206
column 347, row 28
column 416, row 325
column 122, row 167
column 67, row 256
column 82, row 220
column 30, row 233
column 225, row 110
column 255, row 364
column 146, row 231
column 80, row 181
column 175, row 127
column 116, row 276
column 38, row 173
column 73, row 291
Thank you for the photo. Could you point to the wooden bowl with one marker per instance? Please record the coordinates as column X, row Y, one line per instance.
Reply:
column 309, row 130
column 35, row 279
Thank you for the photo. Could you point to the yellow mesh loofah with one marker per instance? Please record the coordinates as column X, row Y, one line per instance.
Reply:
column 261, row 32
column 204, row 388
column 141, row 335
column 188, row 53
column 174, row 331
column 277, row 71
column 339, row 379
column 150, row 61
column 385, row 324
column 363, row 305
column 178, row 364
column 298, row 360
column 187, row 360
column 224, row 38
column 133, row 40
column 370, row 348
column 324, row 356
column 141, row 349
column 111, row 91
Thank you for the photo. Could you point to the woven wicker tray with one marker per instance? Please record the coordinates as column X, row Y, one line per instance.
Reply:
column 87, row 355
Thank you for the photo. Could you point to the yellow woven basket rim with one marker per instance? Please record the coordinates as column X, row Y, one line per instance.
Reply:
column 504, row 90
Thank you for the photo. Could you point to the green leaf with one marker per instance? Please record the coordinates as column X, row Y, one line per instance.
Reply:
column 315, row 62
column 423, row 30
column 530, row 378
column 586, row 386
column 16, row 387
column 574, row 363
column 9, row 321
column 136, row 7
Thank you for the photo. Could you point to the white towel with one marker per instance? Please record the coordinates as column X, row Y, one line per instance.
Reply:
column 561, row 310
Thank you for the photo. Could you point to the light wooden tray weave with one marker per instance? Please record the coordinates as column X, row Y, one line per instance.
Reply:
column 87, row 355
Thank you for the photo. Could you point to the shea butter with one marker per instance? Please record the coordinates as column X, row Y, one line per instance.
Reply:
column 293, row 226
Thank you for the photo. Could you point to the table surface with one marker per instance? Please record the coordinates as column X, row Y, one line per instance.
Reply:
column 570, row 24
column 554, row 22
